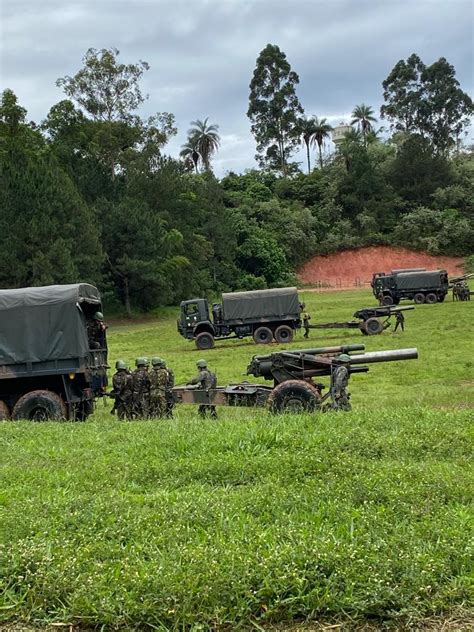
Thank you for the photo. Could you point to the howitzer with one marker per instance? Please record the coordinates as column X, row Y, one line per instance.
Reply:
column 292, row 373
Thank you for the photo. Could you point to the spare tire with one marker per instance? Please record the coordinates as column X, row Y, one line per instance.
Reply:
column 40, row 406
column 263, row 335
column 284, row 334
column 294, row 396
column 373, row 326
column 4, row 411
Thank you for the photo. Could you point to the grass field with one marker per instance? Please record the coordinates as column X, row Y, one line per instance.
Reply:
column 253, row 520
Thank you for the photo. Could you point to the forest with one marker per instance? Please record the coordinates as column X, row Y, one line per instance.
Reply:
column 90, row 193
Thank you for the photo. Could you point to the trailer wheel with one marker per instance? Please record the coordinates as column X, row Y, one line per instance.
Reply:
column 419, row 298
column 294, row 396
column 373, row 326
column 263, row 335
column 40, row 406
column 386, row 300
column 431, row 298
column 204, row 340
column 4, row 411
column 283, row 334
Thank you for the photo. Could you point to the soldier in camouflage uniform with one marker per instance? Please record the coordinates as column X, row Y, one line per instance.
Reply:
column 205, row 380
column 339, row 381
column 141, row 389
column 169, row 393
column 122, row 391
column 158, row 382
column 96, row 329
column 306, row 318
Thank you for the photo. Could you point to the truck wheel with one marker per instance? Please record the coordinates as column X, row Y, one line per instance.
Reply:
column 419, row 298
column 4, row 411
column 204, row 340
column 386, row 300
column 441, row 297
column 40, row 406
column 431, row 298
column 263, row 335
column 293, row 396
column 373, row 326
column 283, row 334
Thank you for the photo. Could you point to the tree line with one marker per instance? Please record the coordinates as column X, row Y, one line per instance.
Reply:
column 89, row 193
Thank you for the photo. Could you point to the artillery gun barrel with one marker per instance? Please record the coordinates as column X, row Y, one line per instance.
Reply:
column 318, row 351
column 385, row 356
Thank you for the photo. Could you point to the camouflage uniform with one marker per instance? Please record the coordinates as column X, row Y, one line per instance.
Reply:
column 400, row 321
column 141, row 392
column 95, row 334
column 158, row 381
column 339, row 395
column 169, row 393
column 306, row 319
column 205, row 380
column 122, row 389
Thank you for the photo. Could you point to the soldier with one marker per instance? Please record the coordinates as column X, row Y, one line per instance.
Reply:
column 141, row 389
column 205, row 380
column 306, row 318
column 158, row 382
column 96, row 329
column 339, row 381
column 400, row 320
column 169, row 393
column 122, row 390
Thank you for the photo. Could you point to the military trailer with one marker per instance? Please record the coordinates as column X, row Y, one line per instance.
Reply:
column 47, row 369
column 420, row 286
column 265, row 315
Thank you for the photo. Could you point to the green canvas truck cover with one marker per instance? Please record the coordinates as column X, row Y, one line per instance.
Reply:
column 44, row 323
column 420, row 280
column 274, row 304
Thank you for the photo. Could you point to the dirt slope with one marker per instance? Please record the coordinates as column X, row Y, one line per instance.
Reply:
column 350, row 268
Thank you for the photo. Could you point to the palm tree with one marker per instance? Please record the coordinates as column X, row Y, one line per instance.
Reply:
column 346, row 148
column 322, row 129
column 205, row 139
column 307, row 129
column 363, row 115
column 190, row 154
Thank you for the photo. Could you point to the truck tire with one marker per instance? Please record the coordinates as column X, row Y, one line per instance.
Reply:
column 373, row 326
column 431, row 298
column 204, row 340
column 293, row 396
column 386, row 300
column 283, row 334
column 40, row 406
column 419, row 298
column 263, row 335
column 4, row 411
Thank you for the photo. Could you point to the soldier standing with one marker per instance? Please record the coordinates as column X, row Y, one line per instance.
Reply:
column 122, row 389
column 306, row 318
column 141, row 389
column 96, row 329
column 158, row 382
column 339, row 382
column 169, row 393
column 400, row 320
column 205, row 380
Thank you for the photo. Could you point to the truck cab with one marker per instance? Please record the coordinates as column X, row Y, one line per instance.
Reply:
column 194, row 318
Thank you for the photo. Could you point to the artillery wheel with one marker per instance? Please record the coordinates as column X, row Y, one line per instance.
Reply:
column 204, row 340
column 294, row 396
column 419, row 298
column 386, row 300
column 4, row 411
column 40, row 406
column 373, row 326
column 283, row 334
column 263, row 335
column 431, row 298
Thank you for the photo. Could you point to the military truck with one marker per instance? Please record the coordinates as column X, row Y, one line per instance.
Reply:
column 265, row 315
column 418, row 285
column 47, row 368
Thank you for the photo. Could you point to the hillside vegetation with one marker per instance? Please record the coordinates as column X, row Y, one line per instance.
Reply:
column 254, row 519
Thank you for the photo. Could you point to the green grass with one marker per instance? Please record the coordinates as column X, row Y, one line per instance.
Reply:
column 254, row 519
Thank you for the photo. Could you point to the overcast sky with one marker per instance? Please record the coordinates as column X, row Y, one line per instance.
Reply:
column 202, row 53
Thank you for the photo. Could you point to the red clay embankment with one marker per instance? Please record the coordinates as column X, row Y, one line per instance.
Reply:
column 352, row 268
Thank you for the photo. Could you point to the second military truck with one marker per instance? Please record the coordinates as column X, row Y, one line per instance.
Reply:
column 418, row 285
column 263, row 314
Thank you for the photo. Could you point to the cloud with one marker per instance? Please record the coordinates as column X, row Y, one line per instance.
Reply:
column 202, row 53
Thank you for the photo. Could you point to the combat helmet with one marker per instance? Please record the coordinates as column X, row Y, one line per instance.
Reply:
column 141, row 362
column 343, row 357
column 120, row 365
column 157, row 362
column 98, row 316
column 201, row 364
